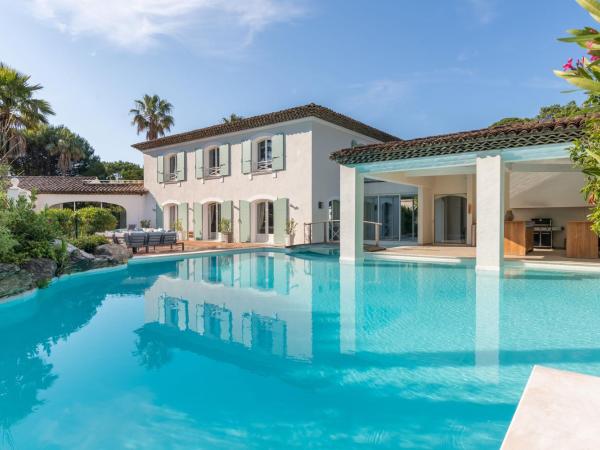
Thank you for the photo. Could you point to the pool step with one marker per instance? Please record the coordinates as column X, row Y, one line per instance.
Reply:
column 558, row 410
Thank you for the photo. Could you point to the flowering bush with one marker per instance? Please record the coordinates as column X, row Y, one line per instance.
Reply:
column 585, row 72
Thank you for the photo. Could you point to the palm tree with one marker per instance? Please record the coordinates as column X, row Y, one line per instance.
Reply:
column 68, row 149
column 233, row 117
column 19, row 110
column 152, row 115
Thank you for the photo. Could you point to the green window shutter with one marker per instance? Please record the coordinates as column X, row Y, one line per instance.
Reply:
column 182, row 215
column 159, row 216
column 160, row 169
column 181, row 166
column 278, row 152
column 246, row 156
column 198, row 221
column 199, row 163
column 244, row 221
column 280, row 218
column 224, row 159
column 227, row 212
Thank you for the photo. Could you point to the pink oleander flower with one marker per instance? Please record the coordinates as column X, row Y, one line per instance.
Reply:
column 594, row 58
column 569, row 65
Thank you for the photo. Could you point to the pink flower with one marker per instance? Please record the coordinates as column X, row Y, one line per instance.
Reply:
column 569, row 65
column 594, row 58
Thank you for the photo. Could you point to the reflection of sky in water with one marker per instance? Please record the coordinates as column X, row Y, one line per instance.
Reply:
column 262, row 350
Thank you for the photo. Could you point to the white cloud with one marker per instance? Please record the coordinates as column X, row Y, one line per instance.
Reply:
column 485, row 10
column 139, row 24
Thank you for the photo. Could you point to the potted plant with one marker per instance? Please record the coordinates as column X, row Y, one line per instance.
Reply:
column 225, row 230
column 179, row 229
column 290, row 232
column 145, row 223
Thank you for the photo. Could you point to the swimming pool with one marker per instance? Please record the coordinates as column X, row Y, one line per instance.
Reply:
column 269, row 350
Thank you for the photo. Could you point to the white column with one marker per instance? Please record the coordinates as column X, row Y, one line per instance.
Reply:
column 487, row 325
column 351, row 214
column 348, row 308
column 471, row 192
column 425, row 215
column 490, row 213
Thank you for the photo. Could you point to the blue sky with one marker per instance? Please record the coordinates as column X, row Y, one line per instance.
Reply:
column 411, row 68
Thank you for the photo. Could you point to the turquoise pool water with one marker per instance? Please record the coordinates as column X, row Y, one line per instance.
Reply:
column 265, row 350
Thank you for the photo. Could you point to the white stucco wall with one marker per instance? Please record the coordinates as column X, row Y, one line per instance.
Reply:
column 290, row 183
column 546, row 189
column 325, row 185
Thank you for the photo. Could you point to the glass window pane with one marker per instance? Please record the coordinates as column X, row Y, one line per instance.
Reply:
column 389, row 216
column 370, row 216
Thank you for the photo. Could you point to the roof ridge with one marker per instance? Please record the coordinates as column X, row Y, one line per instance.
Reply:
column 535, row 132
column 272, row 118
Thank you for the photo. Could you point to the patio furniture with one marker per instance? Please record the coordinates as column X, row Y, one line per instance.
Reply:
column 155, row 238
column 131, row 227
column 170, row 238
column 135, row 240
column 119, row 238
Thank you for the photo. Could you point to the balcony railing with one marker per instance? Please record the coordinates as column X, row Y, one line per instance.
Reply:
column 331, row 231
column 113, row 181
column 212, row 171
column 263, row 166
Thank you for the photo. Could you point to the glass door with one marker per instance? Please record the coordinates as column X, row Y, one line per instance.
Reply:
column 371, row 215
column 214, row 217
column 389, row 217
column 408, row 219
column 450, row 219
column 334, row 217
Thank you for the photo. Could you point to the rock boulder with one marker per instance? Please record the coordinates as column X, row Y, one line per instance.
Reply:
column 14, row 280
column 115, row 253
column 41, row 269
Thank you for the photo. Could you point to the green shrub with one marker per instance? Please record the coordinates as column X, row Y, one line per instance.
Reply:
column 62, row 219
column 26, row 234
column 89, row 243
column 92, row 220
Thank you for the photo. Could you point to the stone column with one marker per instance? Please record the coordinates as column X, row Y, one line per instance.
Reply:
column 352, row 205
column 490, row 213
column 425, row 215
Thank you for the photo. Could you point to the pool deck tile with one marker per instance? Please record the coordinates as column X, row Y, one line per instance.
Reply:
column 558, row 410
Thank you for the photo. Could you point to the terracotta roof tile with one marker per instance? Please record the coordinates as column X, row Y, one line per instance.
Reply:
column 299, row 112
column 78, row 185
column 510, row 136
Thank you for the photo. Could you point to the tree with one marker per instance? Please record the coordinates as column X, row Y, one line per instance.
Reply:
column 556, row 111
column 124, row 170
column 152, row 115
column 19, row 110
column 42, row 155
column 585, row 74
column 233, row 117
column 68, row 148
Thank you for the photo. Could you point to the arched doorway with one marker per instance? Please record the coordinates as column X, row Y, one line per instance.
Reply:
column 118, row 211
column 450, row 219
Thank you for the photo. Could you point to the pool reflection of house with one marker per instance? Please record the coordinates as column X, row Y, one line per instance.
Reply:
column 201, row 299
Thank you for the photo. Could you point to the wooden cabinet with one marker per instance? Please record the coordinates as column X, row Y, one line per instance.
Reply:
column 582, row 242
column 518, row 238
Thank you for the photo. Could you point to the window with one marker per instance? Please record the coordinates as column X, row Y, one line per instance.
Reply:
column 264, row 155
column 264, row 217
column 172, row 172
column 214, row 163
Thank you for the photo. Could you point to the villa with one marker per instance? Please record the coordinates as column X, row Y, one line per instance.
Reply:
column 344, row 181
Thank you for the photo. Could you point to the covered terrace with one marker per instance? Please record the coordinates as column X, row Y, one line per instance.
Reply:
column 473, row 187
